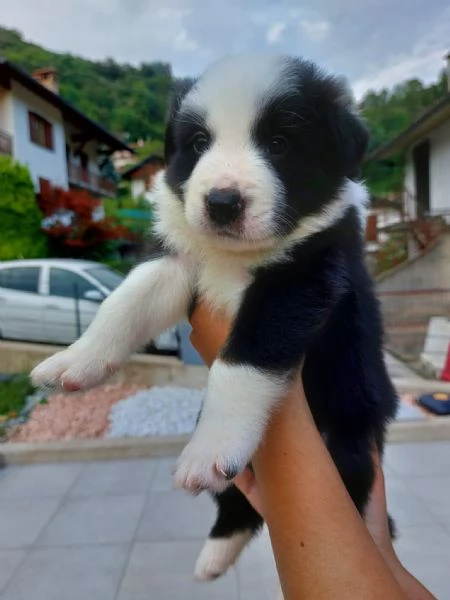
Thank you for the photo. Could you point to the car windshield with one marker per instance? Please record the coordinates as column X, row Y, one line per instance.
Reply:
column 107, row 277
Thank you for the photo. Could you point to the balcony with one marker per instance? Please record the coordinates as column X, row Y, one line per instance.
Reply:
column 83, row 178
column 5, row 143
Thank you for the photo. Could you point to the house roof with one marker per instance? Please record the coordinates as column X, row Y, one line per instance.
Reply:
column 437, row 114
column 152, row 158
column 10, row 71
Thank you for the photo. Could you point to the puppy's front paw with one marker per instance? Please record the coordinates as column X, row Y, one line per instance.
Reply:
column 208, row 463
column 72, row 370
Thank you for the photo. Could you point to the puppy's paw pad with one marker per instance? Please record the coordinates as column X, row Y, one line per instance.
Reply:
column 200, row 467
column 71, row 371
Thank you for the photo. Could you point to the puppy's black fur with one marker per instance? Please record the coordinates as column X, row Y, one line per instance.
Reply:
column 319, row 303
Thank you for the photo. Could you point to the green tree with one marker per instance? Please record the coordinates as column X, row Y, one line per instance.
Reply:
column 388, row 113
column 20, row 218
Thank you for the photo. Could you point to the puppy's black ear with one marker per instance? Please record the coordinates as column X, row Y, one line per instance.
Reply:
column 179, row 90
column 352, row 135
column 329, row 105
column 352, row 138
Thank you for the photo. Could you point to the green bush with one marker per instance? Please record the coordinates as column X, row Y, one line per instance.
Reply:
column 20, row 217
column 13, row 394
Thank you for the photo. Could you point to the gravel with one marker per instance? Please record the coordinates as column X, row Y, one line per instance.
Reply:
column 72, row 416
column 156, row 411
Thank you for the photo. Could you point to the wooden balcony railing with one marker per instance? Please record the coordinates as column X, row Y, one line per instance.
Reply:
column 5, row 143
column 91, row 181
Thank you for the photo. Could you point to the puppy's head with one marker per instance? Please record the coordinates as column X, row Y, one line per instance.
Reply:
column 259, row 144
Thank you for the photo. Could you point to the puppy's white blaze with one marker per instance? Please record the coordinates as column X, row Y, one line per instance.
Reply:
column 238, row 404
column 249, row 82
column 241, row 167
column 219, row 554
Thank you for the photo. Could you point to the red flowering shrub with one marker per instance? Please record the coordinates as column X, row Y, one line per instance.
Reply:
column 76, row 224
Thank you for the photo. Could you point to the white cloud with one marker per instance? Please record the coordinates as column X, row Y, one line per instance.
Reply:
column 274, row 32
column 401, row 69
column 185, row 43
column 316, row 29
column 423, row 61
column 172, row 13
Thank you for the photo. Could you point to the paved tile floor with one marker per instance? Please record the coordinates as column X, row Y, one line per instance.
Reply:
column 117, row 531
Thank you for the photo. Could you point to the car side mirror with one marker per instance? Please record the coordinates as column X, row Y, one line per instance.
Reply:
column 93, row 296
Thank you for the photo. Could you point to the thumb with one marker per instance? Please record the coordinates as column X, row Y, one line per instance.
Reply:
column 246, row 483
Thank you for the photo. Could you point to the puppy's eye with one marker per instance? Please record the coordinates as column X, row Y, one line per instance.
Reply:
column 277, row 145
column 200, row 142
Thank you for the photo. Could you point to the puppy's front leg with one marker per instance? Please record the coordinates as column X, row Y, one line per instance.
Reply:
column 238, row 403
column 153, row 297
column 267, row 341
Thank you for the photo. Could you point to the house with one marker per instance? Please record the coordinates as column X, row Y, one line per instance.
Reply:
column 414, row 290
column 426, row 144
column 124, row 159
column 59, row 144
column 381, row 214
column 142, row 176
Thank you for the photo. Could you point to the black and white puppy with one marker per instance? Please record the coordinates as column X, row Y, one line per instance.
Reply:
column 261, row 212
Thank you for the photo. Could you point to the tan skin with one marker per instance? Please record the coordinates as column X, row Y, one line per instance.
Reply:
column 320, row 553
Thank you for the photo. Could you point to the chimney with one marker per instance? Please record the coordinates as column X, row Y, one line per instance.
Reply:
column 48, row 77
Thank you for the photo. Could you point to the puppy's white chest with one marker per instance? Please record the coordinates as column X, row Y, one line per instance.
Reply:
column 223, row 283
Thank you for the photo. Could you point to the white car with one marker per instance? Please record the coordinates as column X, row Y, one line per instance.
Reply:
column 54, row 300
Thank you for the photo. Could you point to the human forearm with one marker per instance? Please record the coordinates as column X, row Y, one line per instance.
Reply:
column 326, row 551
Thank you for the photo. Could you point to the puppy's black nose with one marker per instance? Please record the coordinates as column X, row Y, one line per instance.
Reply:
column 224, row 206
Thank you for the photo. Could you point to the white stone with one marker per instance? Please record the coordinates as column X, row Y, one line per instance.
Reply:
column 156, row 411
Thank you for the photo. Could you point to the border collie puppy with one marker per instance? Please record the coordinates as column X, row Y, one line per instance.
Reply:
column 261, row 212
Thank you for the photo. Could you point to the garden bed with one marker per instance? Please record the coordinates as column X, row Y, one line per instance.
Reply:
column 111, row 410
column 72, row 416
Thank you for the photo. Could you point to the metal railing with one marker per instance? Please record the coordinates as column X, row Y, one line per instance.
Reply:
column 5, row 143
column 94, row 182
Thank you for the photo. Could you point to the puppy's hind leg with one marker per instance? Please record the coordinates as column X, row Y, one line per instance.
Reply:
column 237, row 522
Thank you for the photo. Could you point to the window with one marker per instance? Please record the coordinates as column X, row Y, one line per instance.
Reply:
column 22, row 279
column 67, row 284
column 41, row 131
column 107, row 277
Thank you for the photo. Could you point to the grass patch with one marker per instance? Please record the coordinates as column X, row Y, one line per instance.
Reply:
column 13, row 394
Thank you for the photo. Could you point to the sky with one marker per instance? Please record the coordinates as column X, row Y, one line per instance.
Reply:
column 374, row 43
